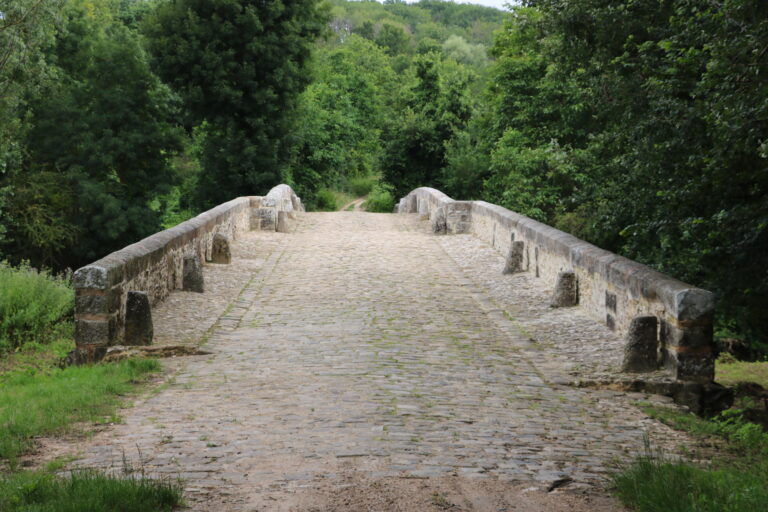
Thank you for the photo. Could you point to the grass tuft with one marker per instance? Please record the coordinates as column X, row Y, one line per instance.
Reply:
column 87, row 491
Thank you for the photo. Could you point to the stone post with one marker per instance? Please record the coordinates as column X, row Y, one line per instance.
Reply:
column 514, row 262
column 438, row 223
column 98, row 297
column 192, row 274
column 220, row 252
column 566, row 290
column 641, row 352
column 138, row 319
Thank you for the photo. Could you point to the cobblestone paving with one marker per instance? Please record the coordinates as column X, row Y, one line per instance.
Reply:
column 359, row 344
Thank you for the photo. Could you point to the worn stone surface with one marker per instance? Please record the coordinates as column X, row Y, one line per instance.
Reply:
column 138, row 319
column 362, row 344
column 641, row 352
column 192, row 277
column 220, row 252
column 566, row 292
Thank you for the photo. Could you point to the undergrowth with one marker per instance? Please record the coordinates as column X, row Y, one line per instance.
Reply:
column 731, row 481
column 380, row 199
column 34, row 305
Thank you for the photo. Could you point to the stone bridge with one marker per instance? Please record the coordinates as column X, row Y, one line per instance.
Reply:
column 355, row 358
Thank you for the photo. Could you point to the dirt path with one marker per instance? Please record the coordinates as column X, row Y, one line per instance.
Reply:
column 356, row 205
column 365, row 365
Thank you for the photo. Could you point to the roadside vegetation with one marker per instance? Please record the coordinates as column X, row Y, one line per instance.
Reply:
column 728, row 475
column 39, row 398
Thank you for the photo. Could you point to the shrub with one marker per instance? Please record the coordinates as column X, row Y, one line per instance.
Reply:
column 362, row 186
column 380, row 199
column 32, row 302
column 325, row 200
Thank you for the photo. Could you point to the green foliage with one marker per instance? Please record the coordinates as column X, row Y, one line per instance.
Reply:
column 640, row 126
column 380, row 199
column 730, row 373
column 36, row 403
column 653, row 484
column 95, row 146
column 733, row 481
column 437, row 107
column 240, row 66
column 31, row 304
column 362, row 185
column 88, row 491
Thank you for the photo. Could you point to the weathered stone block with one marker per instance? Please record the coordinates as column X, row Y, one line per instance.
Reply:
column 283, row 222
column 438, row 223
column 192, row 276
column 220, row 251
column 694, row 366
column 96, row 332
column 514, row 262
column 138, row 319
column 566, row 292
column 641, row 351
column 268, row 218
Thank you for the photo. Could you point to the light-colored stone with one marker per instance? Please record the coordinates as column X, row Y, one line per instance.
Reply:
column 220, row 252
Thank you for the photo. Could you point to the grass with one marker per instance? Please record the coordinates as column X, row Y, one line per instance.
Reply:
column 733, row 480
column 87, row 491
column 36, row 402
column 32, row 303
column 733, row 372
column 653, row 484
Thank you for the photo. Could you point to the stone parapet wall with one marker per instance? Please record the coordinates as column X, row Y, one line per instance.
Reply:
column 612, row 289
column 154, row 265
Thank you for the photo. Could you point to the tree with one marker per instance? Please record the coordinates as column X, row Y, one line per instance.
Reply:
column 240, row 65
column 97, row 146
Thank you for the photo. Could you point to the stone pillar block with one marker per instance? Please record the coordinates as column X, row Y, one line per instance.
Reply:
column 220, row 252
column 566, row 290
column 641, row 352
column 283, row 222
column 514, row 262
column 268, row 218
column 192, row 276
column 458, row 216
column 138, row 319
column 438, row 224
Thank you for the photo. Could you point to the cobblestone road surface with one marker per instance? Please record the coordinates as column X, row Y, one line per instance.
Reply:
column 362, row 343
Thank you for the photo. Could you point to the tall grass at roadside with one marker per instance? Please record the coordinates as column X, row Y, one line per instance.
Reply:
column 34, row 403
column 87, row 491
column 653, row 484
column 32, row 302
column 732, row 480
